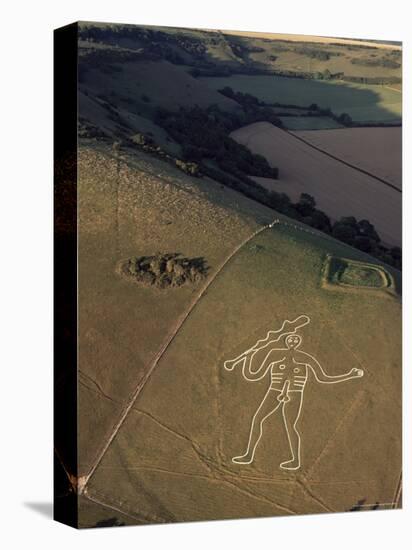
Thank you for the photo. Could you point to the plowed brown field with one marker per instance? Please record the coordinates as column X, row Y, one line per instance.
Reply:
column 377, row 150
column 339, row 190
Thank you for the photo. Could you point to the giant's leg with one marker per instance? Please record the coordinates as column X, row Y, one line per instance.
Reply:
column 291, row 413
column 267, row 407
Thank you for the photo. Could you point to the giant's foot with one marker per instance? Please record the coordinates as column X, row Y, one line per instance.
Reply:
column 293, row 464
column 243, row 459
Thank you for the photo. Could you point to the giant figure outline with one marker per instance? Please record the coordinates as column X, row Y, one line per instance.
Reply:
column 289, row 369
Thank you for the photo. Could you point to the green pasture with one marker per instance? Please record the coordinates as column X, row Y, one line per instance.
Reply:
column 363, row 102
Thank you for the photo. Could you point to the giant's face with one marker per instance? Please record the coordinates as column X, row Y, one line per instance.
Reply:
column 293, row 341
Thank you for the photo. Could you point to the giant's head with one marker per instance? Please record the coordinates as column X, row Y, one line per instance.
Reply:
column 293, row 341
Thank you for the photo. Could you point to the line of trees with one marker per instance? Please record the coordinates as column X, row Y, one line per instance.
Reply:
column 386, row 62
column 359, row 234
column 248, row 101
column 260, row 109
column 203, row 136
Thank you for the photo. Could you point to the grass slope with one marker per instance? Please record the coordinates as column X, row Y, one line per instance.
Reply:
column 170, row 458
column 147, row 85
column 138, row 210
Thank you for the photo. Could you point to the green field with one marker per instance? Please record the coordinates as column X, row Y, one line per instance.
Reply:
column 364, row 103
column 309, row 123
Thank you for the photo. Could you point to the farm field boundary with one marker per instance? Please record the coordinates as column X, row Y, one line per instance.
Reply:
column 354, row 166
column 338, row 188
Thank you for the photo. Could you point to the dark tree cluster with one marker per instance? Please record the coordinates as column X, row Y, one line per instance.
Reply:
column 314, row 53
column 254, row 110
column 262, row 112
column 371, row 79
column 148, row 145
column 244, row 99
column 203, row 136
column 304, row 210
column 359, row 234
column 108, row 60
column 243, row 49
column 87, row 130
column 164, row 270
column 386, row 62
column 324, row 75
column 167, row 45
column 362, row 235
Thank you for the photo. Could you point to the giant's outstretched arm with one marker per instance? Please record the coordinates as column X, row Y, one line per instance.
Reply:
column 264, row 358
column 321, row 375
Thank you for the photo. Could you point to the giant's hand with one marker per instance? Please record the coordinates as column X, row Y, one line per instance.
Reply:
column 229, row 365
column 356, row 373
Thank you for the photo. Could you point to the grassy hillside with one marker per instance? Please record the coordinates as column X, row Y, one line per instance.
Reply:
column 139, row 208
column 185, row 261
column 143, row 84
column 171, row 457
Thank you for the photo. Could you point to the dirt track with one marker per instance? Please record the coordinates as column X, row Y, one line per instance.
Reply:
column 339, row 190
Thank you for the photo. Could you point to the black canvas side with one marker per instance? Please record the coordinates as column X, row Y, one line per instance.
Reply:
column 65, row 275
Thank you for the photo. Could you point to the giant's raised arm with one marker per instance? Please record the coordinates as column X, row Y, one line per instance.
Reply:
column 272, row 337
column 321, row 375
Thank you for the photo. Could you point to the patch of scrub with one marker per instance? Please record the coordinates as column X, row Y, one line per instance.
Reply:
column 163, row 270
column 349, row 273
